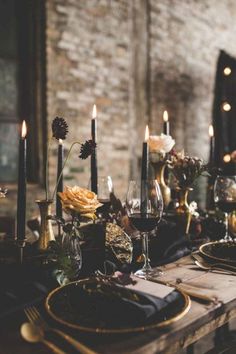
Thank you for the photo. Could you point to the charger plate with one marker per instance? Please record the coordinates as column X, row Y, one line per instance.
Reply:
column 219, row 251
column 64, row 306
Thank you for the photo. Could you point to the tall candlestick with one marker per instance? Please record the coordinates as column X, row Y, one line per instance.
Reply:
column 21, row 193
column 212, row 144
column 60, row 158
column 94, row 172
column 166, row 123
column 145, row 156
column 144, row 172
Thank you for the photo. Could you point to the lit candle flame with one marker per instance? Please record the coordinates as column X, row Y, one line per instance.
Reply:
column 211, row 131
column 23, row 130
column 165, row 116
column 94, row 114
column 146, row 133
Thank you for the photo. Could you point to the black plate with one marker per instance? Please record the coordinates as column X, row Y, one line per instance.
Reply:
column 70, row 305
column 219, row 251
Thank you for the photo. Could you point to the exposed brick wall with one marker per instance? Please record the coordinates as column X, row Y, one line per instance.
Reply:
column 186, row 37
column 88, row 62
column 98, row 52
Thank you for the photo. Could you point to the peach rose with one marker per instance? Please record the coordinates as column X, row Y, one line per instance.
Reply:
column 161, row 143
column 80, row 200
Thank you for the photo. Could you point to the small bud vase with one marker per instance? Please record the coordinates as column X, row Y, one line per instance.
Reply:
column 46, row 231
column 70, row 259
column 183, row 210
column 159, row 174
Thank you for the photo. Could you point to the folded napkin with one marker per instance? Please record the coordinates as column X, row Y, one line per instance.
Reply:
column 107, row 305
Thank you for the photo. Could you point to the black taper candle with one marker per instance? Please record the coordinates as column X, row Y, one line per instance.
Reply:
column 94, row 172
column 60, row 158
column 212, row 145
column 21, row 193
column 211, row 179
column 166, row 123
column 144, row 172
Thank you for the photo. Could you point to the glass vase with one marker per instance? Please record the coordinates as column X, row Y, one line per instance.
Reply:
column 183, row 210
column 46, row 233
column 70, row 261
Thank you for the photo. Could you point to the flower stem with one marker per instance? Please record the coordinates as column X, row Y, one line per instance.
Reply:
column 59, row 177
column 47, row 169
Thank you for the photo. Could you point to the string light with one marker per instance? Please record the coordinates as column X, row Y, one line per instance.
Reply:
column 227, row 158
column 227, row 71
column 226, row 106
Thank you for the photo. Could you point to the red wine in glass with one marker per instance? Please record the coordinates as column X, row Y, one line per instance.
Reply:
column 105, row 208
column 144, row 223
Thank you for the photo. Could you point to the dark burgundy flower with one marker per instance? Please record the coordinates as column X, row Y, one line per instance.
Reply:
column 59, row 128
column 87, row 149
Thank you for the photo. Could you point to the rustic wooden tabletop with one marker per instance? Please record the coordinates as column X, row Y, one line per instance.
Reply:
column 202, row 318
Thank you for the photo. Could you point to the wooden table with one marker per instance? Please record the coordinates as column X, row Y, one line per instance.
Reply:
column 202, row 318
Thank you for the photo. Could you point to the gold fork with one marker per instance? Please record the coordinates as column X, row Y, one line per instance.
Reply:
column 35, row 317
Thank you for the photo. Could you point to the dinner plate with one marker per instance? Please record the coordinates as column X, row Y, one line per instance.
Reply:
column 69, row 305
column 219, row 251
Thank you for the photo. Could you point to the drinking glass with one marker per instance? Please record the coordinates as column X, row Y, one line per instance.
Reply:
column 225, row 199
column 144, row 205
column 105, row 188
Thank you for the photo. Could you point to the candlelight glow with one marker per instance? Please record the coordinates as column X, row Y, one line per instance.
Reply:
column 146, row 133
column 23, row 129
column 227, row 71
column 226, row 106
column 60, row 141
column 94, row 114
column 165, row 116
column 211, row 131
column 227, row 158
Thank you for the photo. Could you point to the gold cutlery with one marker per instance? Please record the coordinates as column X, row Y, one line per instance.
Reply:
column 34, row 317
column 34, row 334
column 222, row 267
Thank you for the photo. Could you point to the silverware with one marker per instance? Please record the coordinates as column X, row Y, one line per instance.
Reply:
column 213, row 268
column 34, row 334
column 34, row 317
column 223, row 267
column 185, row 288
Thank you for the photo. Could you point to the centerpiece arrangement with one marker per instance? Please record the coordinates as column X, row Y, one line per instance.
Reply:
column 80, row 205
column 59, row 131
column 186, row 170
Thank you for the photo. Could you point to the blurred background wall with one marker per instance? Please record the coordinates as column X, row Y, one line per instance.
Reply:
column 134, row 59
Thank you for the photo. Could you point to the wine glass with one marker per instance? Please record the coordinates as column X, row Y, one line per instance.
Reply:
column 225, row 199
column 105, row 188
column 144, row 205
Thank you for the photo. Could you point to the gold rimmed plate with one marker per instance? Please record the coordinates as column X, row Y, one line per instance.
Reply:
column 224, row 252
column 82, row 305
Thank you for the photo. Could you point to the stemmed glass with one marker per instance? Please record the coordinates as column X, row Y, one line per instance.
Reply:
column 105, row 188
column 225, row 199
column 144, row 205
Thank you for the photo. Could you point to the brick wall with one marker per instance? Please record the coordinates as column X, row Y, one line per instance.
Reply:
column 185, row 40
column 133, row 59
column 90, row 55
column 88, row 62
